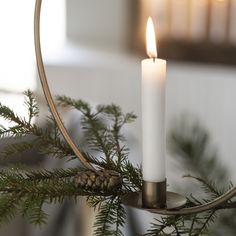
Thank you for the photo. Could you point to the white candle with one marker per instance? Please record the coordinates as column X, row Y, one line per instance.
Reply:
column 153, row 111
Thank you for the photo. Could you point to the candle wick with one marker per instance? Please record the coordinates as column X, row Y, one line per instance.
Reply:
column 154, row 59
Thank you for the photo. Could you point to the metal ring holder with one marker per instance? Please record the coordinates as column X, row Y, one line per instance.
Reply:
column 131, row 199
column 46, row 90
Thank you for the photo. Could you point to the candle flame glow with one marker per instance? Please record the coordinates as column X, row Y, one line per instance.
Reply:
column 151, row 39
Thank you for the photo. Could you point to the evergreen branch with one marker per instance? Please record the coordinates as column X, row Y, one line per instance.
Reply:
column 192, row 225
column 208, row 186
column 209, row 219
column 132, row 176
column 182, row 225
column 120, row 216
column 190, row 141
column 119, row 119
column 80, row 105
column 96, row 135
column 51, row 184
column 31, row 209
column 28, row 191
column 162, row 224
column 39, row 175
column 31, row 105
column 8, row 207
column 93, row 127
column 16, row 148
column 47, row 141
column 110, row 218
column 102, row 227
column 7, row 113
column 14, row 131
column 22, row 127
column 102, row 127
column 96, row 201
column 42, row 139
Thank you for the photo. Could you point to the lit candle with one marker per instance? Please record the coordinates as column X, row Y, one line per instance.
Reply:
column 153, row 111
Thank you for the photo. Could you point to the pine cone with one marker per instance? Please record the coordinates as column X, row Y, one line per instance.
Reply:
column 103, row 179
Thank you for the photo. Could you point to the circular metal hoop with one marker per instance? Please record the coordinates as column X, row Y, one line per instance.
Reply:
column 216, row 204
column 46, row 90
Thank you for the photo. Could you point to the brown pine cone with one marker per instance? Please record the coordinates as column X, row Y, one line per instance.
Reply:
column 103, row 179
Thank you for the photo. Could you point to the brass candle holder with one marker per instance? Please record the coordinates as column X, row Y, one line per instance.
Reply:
column 154, row 197
column 154, row 194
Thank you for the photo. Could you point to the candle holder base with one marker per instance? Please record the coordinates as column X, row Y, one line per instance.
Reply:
column 173, row 201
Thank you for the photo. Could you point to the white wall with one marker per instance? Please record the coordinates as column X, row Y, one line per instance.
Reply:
column 102, row 23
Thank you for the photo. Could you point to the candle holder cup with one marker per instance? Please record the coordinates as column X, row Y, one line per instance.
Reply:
column 155, row 198
column 154, row 194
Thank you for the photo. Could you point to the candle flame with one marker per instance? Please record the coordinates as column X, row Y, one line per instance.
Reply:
column 151, row 39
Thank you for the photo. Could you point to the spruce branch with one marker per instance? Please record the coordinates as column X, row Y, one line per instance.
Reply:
column 93, row 126
column 47, row 140
column 16, row 148
column 195, row 225
column 32, row 210
column 31, row 105
column 208, row 186
column 27, row 191
column 173, row 224
column 191, row 143
column 8, row 207
column 102, row 127
column 110, row 218
column 119, row 119
column 209, row 218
